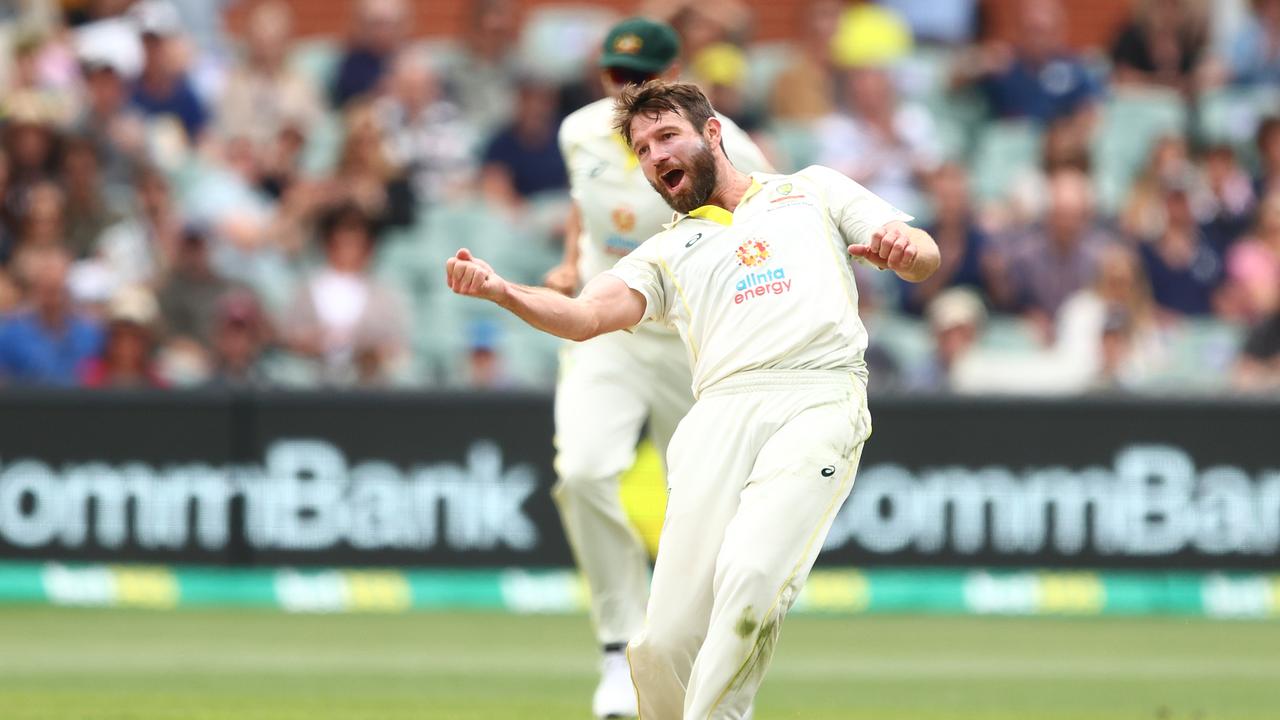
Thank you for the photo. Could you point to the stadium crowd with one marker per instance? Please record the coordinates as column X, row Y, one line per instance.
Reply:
column 181, row 207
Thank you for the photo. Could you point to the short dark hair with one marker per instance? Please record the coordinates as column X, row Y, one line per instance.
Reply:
column 659, row 96
column 343, row 216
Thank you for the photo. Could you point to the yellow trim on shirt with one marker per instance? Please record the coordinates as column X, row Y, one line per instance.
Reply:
column 717, row 214
column 632, row 161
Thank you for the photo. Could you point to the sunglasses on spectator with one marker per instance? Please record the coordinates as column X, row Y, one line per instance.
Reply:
column 623, row 76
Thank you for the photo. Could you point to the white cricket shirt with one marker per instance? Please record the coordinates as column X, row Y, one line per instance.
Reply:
column 620, row 209
column 769, row 286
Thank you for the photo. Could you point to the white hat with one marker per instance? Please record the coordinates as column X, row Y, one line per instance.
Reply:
column 954, row 307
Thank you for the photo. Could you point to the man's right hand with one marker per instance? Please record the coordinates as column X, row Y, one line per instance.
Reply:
column 471, row 276
column 563, row 278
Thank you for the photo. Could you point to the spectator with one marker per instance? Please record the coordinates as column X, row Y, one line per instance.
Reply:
column 1056, row 257
column 127, row 356
column 352, row 326
column 368, row 177
column 43, row 219
column 1231, row 199
column 1258, row 367
column 163, row 89
column 1184, row 270
column 721, row 71
column 262, row 96
column 88, row 211
column 190, row 292
column 8, row 221
column 240, row 337
column 1143, row 214
column 1268, row 143
column 1253, row 266
column 426, row 133
column 379, row 31
column 888, row 146
column 31, row 145
column 1253, row 54
column 140, row 249
column 116, row 129
column 523, row 159
column 1162, row 47
column 1038, row 78
column 956, row 318
column 46, row 342
column 484, row 81
column 962, row 242
column 701, row 23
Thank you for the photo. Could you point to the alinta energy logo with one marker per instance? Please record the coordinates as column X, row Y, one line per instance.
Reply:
column 754, row 253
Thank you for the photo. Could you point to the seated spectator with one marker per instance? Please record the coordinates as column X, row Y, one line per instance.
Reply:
column 956, row 318
column 885, row 145
column 1231, row 199
column 1039, row 77
column 47, row 341
column 43, row 216
column 962, row 242
column 1253, row 54
column 190, row 292
column 1184, row 270
column 700, row 23
column 1258, row 367
column 139, row 249
column 1054, row 258
column 523, row 159
column 164, row 89
column 88, row 210
column 241, row 335
column 1143, row 214
column 721, row 71
column 1163, row 46
column 1253, row 266
column 342, row 318
column 116, row 129
column 378, row 32
column 483, row 82
column 1268, row 144
column 426, row 133
column 127, row 359
column 263, row 95
column 30, row 142
column 368, row 177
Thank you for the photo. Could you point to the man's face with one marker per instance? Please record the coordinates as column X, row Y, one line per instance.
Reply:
column 676, row 159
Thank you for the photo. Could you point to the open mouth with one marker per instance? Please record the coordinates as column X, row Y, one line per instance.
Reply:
column 672, row 178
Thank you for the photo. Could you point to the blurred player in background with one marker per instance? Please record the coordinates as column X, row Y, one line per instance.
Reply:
column 754, row 276
column 609, row 386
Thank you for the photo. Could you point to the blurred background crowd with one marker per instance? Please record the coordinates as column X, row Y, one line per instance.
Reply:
column 185, row 206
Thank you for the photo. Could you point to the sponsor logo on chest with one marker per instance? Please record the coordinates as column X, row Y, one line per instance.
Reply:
column 763, row 277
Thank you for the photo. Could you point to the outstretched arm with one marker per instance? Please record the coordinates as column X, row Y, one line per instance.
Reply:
column 605, row 304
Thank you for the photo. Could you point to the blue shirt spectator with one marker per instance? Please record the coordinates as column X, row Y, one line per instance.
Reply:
column 534, row 166
column 1046, row 92
column 1185, row 288
column 179, row 100
column 34, row 353
column 357, row 74
column 1039, row 77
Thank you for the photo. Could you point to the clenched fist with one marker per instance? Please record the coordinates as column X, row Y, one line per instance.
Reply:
column 471, row 276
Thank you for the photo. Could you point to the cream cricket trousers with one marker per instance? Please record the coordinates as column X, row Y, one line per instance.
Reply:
column 758, row 469
column 608, row 387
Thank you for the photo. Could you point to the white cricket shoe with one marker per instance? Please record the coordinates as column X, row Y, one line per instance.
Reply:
column 615, row 695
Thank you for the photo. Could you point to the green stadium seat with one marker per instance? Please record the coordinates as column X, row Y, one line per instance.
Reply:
column 316, row 59
column 1131, row 122
column 1004, row 151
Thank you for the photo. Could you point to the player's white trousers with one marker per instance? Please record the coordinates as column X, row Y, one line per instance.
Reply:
column 758, row 469
column 608, row 387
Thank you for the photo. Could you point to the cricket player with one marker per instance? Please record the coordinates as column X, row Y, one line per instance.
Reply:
column 610, row 385
column 755, row 274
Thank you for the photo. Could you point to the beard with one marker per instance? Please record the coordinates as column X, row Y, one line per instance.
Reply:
column 701, row 176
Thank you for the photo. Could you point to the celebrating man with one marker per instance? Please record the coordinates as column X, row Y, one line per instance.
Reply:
column 754, row 275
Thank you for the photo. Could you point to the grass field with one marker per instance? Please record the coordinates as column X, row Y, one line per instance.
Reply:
column 250, row 665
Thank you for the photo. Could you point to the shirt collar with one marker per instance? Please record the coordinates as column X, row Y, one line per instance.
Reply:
column 717, row 214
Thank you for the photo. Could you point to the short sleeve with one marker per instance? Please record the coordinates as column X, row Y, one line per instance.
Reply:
column 642, row 271
column 741, row 150
column 855, row 210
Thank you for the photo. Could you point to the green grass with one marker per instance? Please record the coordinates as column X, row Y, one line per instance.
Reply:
column 250, row 665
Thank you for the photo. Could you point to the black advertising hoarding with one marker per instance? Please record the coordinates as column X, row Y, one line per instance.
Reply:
column 464, row 480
